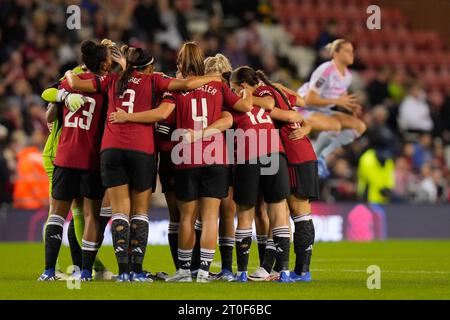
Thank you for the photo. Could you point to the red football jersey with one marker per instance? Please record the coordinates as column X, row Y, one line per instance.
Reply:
column 196, row 110
column 165, row 127
column 140, row 95
column 79, row 144
column 261, row 136
column 297, row 151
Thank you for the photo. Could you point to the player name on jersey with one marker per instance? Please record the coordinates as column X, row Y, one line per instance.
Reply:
column 206, row 88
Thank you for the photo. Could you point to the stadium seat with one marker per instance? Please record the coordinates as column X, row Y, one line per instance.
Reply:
column 397, row 44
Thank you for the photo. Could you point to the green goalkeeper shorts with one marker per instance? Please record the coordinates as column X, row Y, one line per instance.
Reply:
column 49, row 167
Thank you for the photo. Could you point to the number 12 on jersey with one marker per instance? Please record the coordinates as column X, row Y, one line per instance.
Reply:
column 259, row 117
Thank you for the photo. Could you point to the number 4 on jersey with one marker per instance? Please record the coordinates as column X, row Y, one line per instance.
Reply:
column 204, row 117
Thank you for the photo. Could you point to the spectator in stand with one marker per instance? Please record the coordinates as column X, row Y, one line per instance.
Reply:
column 5, row 183
column 36, row 49
column 404, row 179
column 379, row 131
column 10, row 19
column 253, row 51
column 397, row 86
column 328, row 35
column 378, row 88
column 414, row 111
column 216, row 29
column 31, row 182
column 341, row 185
column 445, row 121
column 408, row 154
column 212, row 45
column 439, row 157
column 422, row 151
column 273, row 70
column 142, row 13
column 175, row 26
column 233, row 52
column 435, row 100
column 376, row 178
column 432, row 188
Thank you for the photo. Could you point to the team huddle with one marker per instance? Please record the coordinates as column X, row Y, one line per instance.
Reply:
column 224, row 142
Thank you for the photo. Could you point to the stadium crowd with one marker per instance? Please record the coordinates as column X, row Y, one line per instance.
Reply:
column 410, row 124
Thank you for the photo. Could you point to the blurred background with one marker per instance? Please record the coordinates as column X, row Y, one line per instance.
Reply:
column 401, row 76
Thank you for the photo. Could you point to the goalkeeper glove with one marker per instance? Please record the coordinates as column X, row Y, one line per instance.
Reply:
column 74, row 101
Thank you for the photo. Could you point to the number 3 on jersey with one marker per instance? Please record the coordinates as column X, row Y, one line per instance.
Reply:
column 130, row 102
column 82, row 123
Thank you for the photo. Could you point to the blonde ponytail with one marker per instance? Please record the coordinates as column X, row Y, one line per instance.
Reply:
column 336, row 45
column 218, row 64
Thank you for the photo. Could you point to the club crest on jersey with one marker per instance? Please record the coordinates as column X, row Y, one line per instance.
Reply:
column 320, row 82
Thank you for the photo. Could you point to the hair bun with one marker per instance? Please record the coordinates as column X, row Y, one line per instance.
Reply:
column 107, row 42
column 88, row 47
column 124, row 48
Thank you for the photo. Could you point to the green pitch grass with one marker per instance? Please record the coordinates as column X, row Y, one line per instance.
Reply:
column 409, row 270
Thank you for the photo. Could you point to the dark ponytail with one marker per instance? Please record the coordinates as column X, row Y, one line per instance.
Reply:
column 93, row 55
column 137, row 59
column 244, row 74
column 252, row 77
column 226, row 76
column 262, row 76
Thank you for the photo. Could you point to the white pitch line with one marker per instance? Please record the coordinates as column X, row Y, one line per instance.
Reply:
column 364, row 259
column 385, row 271
column 254, row 266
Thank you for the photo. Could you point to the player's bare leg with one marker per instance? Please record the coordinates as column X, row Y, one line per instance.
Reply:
column 322, row 122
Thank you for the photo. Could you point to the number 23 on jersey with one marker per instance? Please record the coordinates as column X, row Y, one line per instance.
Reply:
column 73, row 120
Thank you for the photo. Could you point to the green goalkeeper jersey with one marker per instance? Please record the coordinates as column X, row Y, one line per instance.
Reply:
column 53, row 139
